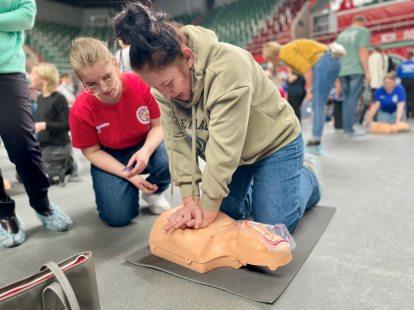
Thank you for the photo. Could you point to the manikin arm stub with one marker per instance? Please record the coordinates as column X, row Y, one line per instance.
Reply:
column 224, row 243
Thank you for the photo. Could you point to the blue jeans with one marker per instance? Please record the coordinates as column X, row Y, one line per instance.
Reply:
column 352, row 88
column 325, row 71
column 117, row 198
column 276, row 189
column 390, row 118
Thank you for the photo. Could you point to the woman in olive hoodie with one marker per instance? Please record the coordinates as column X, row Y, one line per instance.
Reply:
column 217, row 103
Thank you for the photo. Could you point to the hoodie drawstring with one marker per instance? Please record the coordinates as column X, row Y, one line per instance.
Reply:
column 172, row 150
column 194, row 148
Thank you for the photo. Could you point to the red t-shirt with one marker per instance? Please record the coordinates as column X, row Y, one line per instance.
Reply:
column 115, row 126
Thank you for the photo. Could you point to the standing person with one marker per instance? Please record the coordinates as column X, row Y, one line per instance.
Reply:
column 17, row 127
column 52, row 122
column 378, row 68
column 405, row 72
column 273, row 65
column 316, row 62
column 354, row 68
column 122, row 56
column 390, row 101
column 337, row 99
column 66, row 88
column 116, row 123
column 296, row 92
column 217, row 103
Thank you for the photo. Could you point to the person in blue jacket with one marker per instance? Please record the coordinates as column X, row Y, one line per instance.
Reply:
column 390, row 101
column 405, row 72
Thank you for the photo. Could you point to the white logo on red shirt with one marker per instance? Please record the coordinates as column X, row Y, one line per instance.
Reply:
column 98, row 128
column 143, row 115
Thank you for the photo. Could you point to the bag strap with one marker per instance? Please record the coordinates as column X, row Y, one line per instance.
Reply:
column 65, row 285
column 57, row 289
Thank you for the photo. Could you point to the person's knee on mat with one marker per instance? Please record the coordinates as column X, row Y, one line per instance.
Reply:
column 116, row 220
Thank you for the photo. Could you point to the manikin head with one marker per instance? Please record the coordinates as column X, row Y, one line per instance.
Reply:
column 271, row 52
column 45, row 77
column 159, row 50
column 389, row 82
column 97, row 69
column 260, row 244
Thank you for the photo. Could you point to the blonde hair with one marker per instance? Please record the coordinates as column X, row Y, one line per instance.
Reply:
column 86, row 52
column 50, row 74
column 390, row 75
column 270, row 50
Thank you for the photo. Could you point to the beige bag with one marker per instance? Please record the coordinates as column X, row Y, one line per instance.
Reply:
column 338, row 51
column 69, row 285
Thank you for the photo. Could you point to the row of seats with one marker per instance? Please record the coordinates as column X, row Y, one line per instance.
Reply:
column 53, row 41
column 237, row 22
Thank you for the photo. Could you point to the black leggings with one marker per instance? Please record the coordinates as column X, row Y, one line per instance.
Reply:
column 296, row 102
column 409, row 92
column 17, row 132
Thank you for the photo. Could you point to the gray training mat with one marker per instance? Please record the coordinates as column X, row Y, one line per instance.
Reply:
column 252, row 282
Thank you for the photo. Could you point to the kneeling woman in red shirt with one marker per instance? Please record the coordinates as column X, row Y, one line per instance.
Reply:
column 116, row 123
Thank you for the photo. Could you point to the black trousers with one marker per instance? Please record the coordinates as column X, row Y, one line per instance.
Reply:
column 17, row 132
column 296, row 102
column 409, row 92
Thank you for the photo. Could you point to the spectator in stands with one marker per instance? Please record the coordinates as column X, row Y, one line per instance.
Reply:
column 390, row 101
column 17, row 127
column 354, row 68
column 273, row 65
column 296, row 92
column 218, row 103
column 66, row 88
column 405, row 72
column 320, row 68
column 116, row 123
column 122, row 56
column 52, row 123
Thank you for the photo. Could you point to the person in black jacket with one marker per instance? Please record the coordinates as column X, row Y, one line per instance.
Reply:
column 52, row 121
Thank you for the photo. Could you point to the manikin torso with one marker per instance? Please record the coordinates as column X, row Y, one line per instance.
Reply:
column 216, row 246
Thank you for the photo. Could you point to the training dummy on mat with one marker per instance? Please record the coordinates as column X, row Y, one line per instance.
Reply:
column 390, row 101
column 217, row 103
column 224, row 243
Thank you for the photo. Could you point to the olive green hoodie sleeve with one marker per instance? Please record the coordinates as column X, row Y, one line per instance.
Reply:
column 229, row 116
column 181, row 171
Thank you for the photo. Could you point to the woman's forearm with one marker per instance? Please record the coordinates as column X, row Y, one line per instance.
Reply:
column 309, row 78
column 154, row 138
column 373, row 111
column 104, row 161
column 400, row 111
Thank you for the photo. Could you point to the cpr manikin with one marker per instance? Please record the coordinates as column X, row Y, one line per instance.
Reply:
column 378, row 127
column 225, row 243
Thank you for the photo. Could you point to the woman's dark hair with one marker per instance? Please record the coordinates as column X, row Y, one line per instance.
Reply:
column 156, row 42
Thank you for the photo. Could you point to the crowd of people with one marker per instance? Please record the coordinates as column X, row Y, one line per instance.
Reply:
column 338, row 73
column 172, row 94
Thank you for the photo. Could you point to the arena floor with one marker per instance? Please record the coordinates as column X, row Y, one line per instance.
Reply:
column 364, row 260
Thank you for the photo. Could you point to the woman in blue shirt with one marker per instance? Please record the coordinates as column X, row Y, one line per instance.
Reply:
column 390, row 100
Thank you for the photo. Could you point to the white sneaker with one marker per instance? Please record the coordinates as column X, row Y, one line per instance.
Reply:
column 157, row 203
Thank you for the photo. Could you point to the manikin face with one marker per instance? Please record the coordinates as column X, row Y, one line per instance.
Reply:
column 106, row 77
column 174, row 81
column 389, row 85
column 35, row 80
